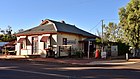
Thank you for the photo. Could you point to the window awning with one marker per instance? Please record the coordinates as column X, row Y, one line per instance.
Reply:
column 21, row 40
column 44, row 39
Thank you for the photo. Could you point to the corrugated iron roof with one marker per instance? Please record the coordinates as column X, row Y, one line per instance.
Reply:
column 56, row 27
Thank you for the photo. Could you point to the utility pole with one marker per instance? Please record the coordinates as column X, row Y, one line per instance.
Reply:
column 102, row 34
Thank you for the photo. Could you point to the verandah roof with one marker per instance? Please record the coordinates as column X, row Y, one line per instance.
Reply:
column 44, row 39
column 24, row 39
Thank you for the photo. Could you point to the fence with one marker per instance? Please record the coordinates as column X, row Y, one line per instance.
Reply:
column 64, row 50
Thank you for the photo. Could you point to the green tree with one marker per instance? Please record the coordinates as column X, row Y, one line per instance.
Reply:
column 7, row 35
column 130, row 23
column 1, row 37
column 98, row 40
column 111, row 32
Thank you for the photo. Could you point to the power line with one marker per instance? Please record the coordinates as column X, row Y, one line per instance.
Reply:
column 104, row 20
column 95, row 25
column 111, row 19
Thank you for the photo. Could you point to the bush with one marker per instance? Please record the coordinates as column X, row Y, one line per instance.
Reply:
column 123, row 49
column 78, row 54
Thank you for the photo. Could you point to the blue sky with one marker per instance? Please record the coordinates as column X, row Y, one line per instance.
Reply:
column 85, row 14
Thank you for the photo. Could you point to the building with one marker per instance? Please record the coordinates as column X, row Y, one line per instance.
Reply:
column 1, row 46
column 52, row 36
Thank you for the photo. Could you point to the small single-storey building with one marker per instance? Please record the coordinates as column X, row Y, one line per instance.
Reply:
column 53, row 38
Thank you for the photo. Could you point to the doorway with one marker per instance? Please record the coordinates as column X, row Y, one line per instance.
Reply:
column 34, row 45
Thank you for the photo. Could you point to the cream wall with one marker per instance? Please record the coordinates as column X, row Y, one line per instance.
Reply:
column 26, row 51
column 29, row 47
column 55, row 45
column 41, row 49
column 17, row 48
column 40, row 45
column 58, row 38
column 70, row 37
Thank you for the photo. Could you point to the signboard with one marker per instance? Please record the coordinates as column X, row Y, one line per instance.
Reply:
column 103, row 55
column 114, row 50
column 71, row 42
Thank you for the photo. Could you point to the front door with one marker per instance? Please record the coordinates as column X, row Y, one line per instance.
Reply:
column 34, row 45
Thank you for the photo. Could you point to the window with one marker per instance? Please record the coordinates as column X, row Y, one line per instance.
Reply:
column 64, row 41
column 45, row 45
column 23, row 44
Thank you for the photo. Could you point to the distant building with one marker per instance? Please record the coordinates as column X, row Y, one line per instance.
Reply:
column 60, row 37
column 1, row 45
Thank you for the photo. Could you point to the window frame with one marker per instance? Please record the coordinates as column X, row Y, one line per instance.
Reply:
column 64, row 41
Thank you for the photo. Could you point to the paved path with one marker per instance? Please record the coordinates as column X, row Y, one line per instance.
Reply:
column 75, row 61
column 88, row 61
column 12, row 57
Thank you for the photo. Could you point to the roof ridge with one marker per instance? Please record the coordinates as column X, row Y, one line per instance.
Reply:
column 73, row 26
column 60, row 22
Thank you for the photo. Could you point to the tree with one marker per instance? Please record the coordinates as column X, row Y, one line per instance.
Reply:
column 111, row 32
column 1, row 37
column 7, row 35
column 20, row 30
column 98, row 40
column 130, row 23
column 9, row 30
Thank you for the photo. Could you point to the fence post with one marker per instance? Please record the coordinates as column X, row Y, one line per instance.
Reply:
column 70, row 52
column 59, row 50
column 127, row 57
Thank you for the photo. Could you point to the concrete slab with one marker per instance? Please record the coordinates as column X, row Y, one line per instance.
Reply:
column 12, row 57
